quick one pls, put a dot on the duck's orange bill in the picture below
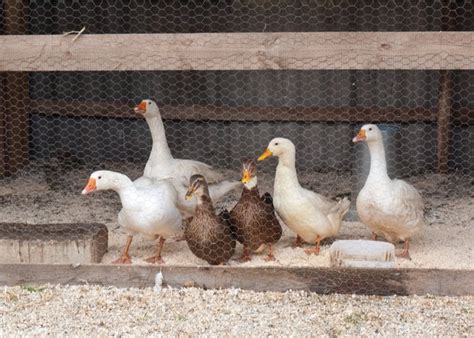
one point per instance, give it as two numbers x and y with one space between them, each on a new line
90 187
245 177
266 154
361 136
141 107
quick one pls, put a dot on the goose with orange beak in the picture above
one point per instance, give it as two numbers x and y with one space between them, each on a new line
162 165
150 211
389 207
311 216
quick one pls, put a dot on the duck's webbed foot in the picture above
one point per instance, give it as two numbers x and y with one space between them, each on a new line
156 259
246 257
124 259
270 256
316 248
298 242
405 254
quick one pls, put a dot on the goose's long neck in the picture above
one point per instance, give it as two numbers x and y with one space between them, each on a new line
378 163
123 186
286 171
160 150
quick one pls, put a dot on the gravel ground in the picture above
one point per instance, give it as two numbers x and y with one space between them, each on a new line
109 311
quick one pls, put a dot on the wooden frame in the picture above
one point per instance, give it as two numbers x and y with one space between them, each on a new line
442 51
444 117
76 108
238 51
14 88
320 280
221 51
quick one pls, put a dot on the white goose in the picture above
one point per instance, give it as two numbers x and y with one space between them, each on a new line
162 165
391 208
150 210
311 216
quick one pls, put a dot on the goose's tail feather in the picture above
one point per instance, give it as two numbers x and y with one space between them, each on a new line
338 212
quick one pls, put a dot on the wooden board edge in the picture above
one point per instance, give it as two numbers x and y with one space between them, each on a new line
76 108
238 51
440 282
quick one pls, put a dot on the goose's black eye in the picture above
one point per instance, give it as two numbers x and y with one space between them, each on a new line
99 177
276 143
370 129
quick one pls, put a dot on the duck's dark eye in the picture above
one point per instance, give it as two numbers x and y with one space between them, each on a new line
99 177
276 143
370 129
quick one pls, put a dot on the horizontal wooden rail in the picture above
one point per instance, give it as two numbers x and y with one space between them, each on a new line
238 51
77 108
320 280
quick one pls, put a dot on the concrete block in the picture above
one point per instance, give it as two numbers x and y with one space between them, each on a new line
53 243
362 254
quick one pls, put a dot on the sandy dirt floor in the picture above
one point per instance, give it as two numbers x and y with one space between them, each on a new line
52 195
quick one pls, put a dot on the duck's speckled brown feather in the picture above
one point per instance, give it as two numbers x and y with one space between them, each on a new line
208 235
254 220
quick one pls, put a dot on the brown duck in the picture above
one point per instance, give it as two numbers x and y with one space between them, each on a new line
208 235
253 217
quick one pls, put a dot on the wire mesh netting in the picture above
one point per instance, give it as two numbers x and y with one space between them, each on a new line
59 127
110 17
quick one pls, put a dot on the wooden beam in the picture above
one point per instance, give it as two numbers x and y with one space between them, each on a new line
77 108
320 280
15 117
444 118
238 51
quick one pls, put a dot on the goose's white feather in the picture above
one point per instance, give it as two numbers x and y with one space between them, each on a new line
150 209
161 164
305 212
391 208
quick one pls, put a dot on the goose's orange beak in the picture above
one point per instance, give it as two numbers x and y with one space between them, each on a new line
140 108
245 177
266 154
90 187
360 137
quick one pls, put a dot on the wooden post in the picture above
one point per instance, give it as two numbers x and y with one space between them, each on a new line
14 112
3 135
444 117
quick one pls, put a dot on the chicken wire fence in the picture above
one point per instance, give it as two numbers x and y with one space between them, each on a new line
57 127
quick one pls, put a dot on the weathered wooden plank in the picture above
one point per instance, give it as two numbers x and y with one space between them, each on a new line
238 51
320 280
443 120
76 108
53 243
